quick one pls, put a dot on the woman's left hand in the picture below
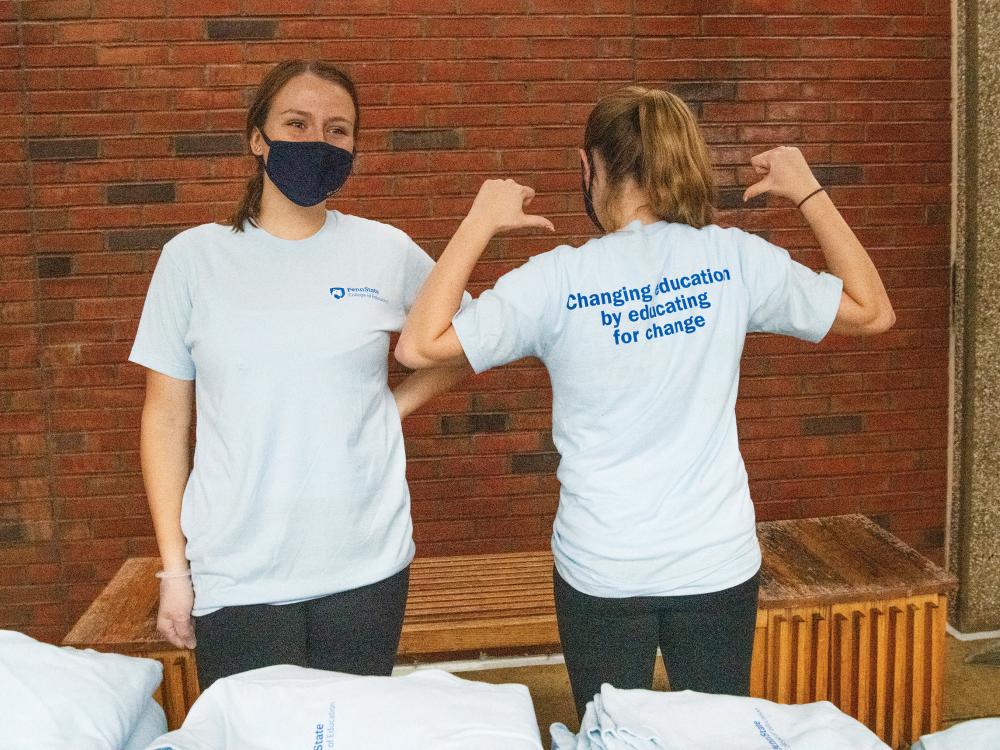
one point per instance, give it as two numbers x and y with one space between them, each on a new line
500 206
783 171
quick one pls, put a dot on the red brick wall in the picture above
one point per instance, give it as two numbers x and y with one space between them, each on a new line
121 123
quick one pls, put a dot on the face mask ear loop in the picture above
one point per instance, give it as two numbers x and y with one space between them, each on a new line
260 157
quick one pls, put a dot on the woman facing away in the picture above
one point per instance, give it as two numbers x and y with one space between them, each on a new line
641 331
295 516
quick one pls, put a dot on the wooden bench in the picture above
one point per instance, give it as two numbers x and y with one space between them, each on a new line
847 613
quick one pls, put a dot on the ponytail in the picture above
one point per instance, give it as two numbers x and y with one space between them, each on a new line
651 137
249 206
676 172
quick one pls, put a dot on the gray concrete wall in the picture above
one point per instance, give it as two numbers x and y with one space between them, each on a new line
974 526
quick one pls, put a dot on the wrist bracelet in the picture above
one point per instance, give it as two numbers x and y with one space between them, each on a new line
173 573
820 189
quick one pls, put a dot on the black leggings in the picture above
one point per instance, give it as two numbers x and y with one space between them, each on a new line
706 639
354 631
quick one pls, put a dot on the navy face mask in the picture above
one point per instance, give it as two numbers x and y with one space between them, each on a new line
307 172
588 201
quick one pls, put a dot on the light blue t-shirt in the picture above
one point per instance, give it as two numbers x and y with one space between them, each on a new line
298 487
641 332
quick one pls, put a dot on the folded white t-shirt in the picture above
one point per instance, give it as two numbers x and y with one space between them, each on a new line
978 734
152 723
296 707
70 698
686 720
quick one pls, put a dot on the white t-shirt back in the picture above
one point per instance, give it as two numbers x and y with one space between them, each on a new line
298 488
642 332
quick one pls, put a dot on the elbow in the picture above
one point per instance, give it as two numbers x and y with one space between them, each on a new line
881 321
408 355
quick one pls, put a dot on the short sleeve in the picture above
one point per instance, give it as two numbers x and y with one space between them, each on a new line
418 267
160 342
509 321
785 296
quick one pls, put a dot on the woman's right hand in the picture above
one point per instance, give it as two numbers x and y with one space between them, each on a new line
174 621
500 206
783 171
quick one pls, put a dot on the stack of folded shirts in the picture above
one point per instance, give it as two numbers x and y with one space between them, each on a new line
70 698
295 707
648 720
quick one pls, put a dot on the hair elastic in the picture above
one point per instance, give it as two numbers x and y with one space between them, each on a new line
820 189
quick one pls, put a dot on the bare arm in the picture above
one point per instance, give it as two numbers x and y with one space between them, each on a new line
428 339
164 450
864 305
423 385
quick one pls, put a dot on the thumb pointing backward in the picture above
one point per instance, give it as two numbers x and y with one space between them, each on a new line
758 188
538 222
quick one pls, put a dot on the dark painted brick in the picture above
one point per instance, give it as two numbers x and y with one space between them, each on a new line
66 442
241 28
843 424
63 148
831 174
142 192
12 533
47 10
705 91
53 310
214 143
52 266
421 140
453 424
534 463
138 239
932 538
733 198
939 214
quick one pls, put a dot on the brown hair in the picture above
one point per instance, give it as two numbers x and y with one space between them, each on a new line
651 136
249 206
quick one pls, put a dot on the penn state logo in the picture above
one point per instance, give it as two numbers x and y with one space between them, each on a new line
357 292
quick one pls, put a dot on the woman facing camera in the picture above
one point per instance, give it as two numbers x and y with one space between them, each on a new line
641 331
295 516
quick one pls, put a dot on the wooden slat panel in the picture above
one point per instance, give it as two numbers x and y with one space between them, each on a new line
759 660
844 669
179 688
781 643
899 654
937 615
880 630
918 710
803 646
821 657
862 627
